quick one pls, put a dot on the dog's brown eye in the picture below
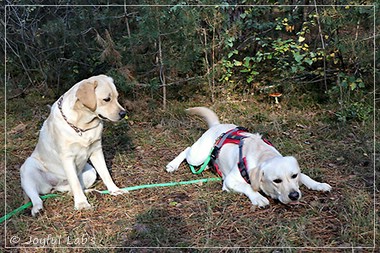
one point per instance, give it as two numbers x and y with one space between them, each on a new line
107 99
294 176
277 181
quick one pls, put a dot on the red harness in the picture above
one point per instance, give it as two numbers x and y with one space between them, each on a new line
233 136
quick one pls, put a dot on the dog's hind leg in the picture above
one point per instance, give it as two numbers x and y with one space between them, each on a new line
88 176
194 155
197 154
33 184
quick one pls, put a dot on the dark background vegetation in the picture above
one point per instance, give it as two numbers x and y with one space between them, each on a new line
168 55
324 50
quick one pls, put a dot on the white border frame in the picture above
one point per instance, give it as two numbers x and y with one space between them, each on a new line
6 240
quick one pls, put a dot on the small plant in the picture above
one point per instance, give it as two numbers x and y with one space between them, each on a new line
348 86
282 57
355 111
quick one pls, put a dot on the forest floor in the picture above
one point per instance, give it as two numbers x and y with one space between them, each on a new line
200 217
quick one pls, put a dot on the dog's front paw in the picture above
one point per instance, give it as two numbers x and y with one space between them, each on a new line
37 208
117 191
322 187
260 201
82 205
171 168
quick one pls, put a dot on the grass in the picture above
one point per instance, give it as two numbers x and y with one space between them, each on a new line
201 217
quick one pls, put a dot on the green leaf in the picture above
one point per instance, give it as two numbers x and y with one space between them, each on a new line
247 61
173 203
308 61
237 63
298 57
301 39
232 53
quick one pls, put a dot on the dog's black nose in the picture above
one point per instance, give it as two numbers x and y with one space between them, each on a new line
122 114
294 196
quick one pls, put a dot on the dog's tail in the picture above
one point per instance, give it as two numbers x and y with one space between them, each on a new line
210 116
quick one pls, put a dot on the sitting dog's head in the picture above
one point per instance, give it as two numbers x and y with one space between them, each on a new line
278 178
99 95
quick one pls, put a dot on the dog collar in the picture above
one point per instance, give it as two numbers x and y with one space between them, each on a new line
78 130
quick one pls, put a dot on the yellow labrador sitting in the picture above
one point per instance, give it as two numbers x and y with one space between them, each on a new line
69 137
252 165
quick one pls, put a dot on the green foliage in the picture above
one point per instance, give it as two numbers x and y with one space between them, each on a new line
55 45
244 47
279 57
282 53
176 28
285 46
353 105
355 111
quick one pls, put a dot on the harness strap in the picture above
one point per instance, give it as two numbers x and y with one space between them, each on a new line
233 137
242 164
267 141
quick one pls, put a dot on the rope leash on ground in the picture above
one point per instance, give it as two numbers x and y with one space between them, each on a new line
132 188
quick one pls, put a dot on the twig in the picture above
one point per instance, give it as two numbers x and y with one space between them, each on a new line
126 19
162 73
323 45
207 65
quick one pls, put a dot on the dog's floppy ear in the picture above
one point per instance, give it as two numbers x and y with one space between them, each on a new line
86 94
255 176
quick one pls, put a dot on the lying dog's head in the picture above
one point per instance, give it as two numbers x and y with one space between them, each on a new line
278 178
99 95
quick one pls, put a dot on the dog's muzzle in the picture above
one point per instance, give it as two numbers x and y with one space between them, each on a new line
122 115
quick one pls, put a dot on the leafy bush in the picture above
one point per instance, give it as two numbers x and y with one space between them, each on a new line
245 47
352 103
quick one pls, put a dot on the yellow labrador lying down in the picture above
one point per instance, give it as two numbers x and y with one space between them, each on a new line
252 165
69 137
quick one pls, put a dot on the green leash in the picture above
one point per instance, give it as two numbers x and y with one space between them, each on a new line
132 188
203 167
23 207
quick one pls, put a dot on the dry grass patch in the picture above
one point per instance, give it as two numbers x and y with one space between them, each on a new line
197 216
